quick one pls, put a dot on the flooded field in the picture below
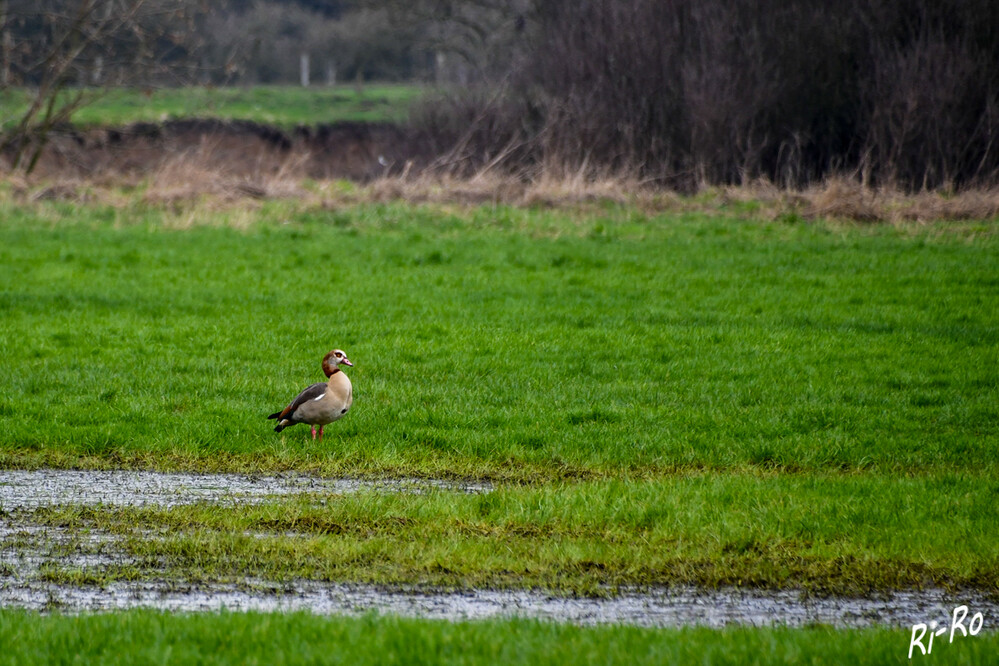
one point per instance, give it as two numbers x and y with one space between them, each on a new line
28 552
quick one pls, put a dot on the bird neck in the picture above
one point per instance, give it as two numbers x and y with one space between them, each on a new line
337 379
330 368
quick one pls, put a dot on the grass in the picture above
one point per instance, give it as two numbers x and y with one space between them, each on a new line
822 533
662 397
223 638
498 343
283 106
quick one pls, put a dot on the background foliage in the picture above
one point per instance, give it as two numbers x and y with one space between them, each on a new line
682 92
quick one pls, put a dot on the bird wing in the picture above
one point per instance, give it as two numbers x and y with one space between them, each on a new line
314 392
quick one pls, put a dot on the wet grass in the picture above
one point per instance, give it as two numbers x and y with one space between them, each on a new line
283 106
822 533
222 638
766 403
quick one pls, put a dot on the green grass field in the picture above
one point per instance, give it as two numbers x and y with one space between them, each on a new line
659 398
671 398
283 106
253 638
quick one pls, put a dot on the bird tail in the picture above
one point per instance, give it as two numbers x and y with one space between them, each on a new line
274 415
279 427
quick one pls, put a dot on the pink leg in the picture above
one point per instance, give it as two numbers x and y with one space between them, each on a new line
320 432
314 431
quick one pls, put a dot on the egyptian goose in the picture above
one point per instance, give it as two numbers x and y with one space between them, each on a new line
321 403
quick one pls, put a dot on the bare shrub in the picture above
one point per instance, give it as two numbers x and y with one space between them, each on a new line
696 92
71 51
931 121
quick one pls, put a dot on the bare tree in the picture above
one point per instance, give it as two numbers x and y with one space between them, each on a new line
68 52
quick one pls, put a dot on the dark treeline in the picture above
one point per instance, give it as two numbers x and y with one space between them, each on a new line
226 42
682 92
688 92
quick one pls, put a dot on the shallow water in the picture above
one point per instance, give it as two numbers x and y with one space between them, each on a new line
26 549
676 607
29 489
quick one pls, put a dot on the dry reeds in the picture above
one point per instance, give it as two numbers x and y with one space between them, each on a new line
840 198
195 179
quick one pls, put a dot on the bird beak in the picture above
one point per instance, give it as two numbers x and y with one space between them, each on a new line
346 361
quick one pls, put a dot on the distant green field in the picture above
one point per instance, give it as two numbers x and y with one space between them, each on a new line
284 106
661 398
254 638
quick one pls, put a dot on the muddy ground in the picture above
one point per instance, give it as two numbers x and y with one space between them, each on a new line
231 148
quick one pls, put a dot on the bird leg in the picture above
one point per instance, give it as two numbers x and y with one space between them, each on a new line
320 432
314 432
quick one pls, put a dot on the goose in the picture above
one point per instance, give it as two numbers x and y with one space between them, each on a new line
323 402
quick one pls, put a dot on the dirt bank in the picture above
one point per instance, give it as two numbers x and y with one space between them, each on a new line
233 148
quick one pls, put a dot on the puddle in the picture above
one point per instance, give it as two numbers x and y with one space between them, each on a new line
27 549
658 608
24 489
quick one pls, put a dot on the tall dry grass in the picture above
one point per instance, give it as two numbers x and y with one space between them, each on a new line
195 178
